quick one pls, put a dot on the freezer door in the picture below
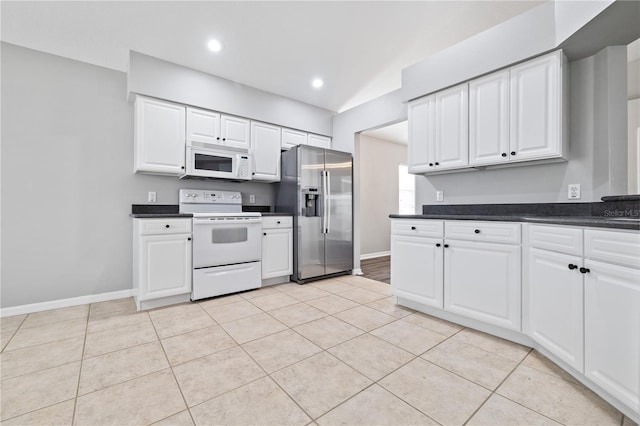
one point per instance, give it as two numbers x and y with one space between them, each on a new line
339 217
310 239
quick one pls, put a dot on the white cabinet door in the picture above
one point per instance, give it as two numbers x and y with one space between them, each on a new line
203 126
319 141
482 281
555 304
291 138
452 123
536 108
165 265
277 253
489 119
159 137
416 269
234 131
612 330
265 149
422 135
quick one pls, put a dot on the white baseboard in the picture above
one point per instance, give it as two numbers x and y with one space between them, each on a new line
374 255
357 272
64 303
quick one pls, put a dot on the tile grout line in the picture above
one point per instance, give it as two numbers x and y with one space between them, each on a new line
84 344
172 373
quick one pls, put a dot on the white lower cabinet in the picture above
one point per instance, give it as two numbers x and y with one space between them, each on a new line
482 281
612 330
277 247
416 270
555 304
162 260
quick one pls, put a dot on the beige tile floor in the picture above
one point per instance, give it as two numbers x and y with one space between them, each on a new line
337 351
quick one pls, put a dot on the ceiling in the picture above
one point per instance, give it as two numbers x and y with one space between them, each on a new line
359 48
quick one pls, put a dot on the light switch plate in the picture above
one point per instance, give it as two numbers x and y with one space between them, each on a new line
151 197
252 199
439 195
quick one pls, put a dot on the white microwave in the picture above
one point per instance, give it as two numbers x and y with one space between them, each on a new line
218 163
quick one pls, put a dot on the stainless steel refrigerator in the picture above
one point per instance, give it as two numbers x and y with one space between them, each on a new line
317 188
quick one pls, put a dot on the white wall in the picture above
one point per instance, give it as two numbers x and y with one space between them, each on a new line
379 160
67 179
165 80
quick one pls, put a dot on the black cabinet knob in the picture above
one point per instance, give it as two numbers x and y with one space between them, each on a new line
504 154
430 164
224 139
413 228
189 239
264 233
513 153
477 231
438 244
182 167
446 246
166 226
278 222
572 266
437 164
218 138
585 270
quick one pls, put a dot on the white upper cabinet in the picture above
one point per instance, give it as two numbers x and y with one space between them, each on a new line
319 141
422 135
536 124
291 138
203 126
452 120
159 137
265 149
234 132
489 119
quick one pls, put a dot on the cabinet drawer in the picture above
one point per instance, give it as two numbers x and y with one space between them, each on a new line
556 238
275 222
164 226
497 232
617 247
417 227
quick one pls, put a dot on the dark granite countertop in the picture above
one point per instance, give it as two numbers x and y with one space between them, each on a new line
276 214
589 221
620 214
159 215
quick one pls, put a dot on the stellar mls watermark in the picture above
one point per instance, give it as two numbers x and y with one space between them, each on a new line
621 213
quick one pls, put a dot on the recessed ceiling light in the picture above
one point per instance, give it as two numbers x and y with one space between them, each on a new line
214 45
317 83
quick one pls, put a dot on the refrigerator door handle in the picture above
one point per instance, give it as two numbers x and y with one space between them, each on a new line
328 196
324 201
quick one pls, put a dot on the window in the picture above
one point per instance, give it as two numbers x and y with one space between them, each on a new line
406 191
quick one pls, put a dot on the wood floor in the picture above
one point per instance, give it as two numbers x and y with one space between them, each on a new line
378 269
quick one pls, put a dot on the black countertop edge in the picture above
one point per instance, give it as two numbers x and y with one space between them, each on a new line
159 215
588 221
164 209
630 197
276 214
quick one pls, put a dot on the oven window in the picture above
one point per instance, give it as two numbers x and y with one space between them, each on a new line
228 235
213 163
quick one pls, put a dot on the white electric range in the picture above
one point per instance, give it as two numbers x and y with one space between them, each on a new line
227 243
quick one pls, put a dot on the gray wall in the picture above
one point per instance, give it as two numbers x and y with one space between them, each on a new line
597 147
378 191
67 180
165 80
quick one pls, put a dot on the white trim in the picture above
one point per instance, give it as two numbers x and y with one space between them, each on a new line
64 303
374 255
357 272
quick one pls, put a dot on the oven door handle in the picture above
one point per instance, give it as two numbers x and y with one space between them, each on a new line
222 222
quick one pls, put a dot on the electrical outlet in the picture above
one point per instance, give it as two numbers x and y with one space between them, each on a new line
439 195
151 197
252 199
574 191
